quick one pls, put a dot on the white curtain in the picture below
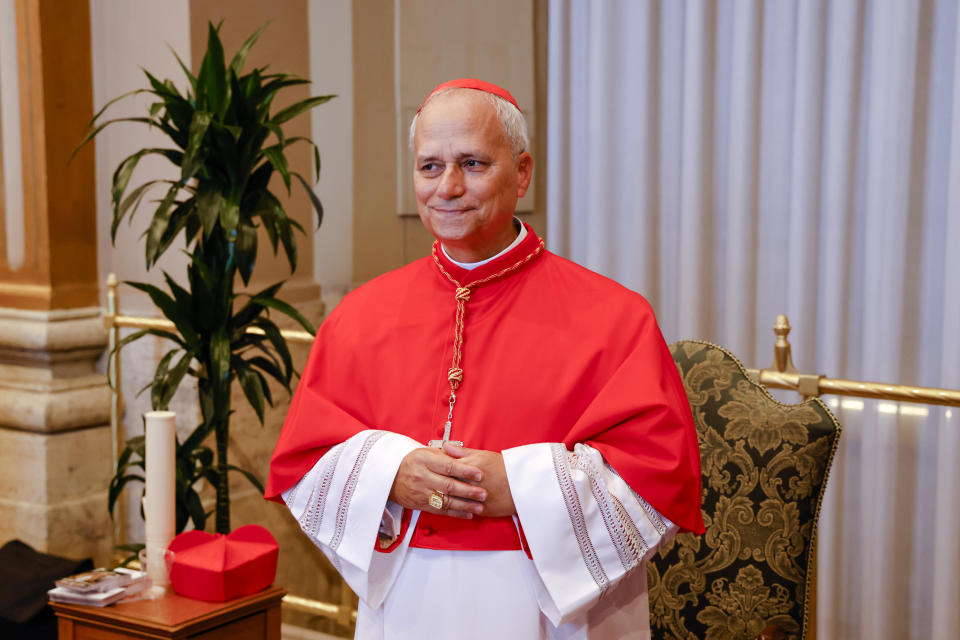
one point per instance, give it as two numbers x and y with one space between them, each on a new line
734 160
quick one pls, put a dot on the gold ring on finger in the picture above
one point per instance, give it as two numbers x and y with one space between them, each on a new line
437 500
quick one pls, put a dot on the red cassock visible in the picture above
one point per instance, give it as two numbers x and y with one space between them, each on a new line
552 352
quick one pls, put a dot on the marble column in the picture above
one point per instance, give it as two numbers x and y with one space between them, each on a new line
55 443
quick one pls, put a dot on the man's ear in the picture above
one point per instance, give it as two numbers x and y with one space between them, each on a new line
524 172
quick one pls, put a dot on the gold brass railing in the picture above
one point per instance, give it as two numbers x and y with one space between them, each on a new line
784 375
781 375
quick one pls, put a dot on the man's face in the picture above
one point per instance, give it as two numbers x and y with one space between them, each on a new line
466 181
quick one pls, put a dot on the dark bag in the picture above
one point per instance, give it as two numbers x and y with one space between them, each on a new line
25 577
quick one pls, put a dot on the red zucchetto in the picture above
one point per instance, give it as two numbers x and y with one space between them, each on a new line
471 83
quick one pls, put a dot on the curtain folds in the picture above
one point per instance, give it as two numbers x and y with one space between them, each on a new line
733 160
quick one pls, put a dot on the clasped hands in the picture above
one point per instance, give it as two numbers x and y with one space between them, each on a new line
473 481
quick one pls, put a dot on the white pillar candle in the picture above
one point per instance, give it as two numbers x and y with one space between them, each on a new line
159 506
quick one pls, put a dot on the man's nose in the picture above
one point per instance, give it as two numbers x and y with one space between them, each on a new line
451 183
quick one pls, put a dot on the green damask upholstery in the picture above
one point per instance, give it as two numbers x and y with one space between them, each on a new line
764 471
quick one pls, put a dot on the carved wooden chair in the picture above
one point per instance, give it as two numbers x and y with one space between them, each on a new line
764 467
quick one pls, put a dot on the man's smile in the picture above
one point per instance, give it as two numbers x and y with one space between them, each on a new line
453 210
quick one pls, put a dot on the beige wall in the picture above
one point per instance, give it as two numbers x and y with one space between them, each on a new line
331 71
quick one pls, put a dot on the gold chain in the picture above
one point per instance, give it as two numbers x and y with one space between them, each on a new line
462 296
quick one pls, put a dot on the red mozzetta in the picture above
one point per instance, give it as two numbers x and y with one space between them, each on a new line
552 352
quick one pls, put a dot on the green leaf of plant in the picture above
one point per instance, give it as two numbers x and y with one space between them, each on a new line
132 200
249 476
250 384
137 466
248 313
202 281
114 101
177 117
194 507
174 378
228 161
258 181
299 107
165 90
90 125
229 217
268 396
279 344
279 162
156 386
212 79
210 474
144 388
123 173
180 217
286 309
175 157
198 129
202 430
314 200
117 483
136 335
270 226
135 445
103 125
192 228
158 225
173 312
277 131
289 242
209 203
180 295
186 70
246 251
242 112
234 131
275 82
241 55
276 220
271 369
270 291
219 355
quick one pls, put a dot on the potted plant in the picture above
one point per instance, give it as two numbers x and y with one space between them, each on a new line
227 144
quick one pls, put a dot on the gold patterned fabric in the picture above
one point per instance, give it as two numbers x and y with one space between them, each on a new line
764 469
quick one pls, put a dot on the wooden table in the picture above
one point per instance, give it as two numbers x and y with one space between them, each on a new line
253 617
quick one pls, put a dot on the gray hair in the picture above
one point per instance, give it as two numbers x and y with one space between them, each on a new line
511 119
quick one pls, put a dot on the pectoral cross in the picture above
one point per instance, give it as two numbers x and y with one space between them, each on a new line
438 444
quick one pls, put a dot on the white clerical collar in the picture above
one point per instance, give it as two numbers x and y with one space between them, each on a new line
473 265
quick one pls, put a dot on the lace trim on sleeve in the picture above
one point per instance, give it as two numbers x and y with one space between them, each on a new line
348 490
561 465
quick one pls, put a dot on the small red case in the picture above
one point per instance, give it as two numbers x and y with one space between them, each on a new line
216 567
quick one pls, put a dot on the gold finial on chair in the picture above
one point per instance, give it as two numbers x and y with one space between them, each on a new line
782 358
